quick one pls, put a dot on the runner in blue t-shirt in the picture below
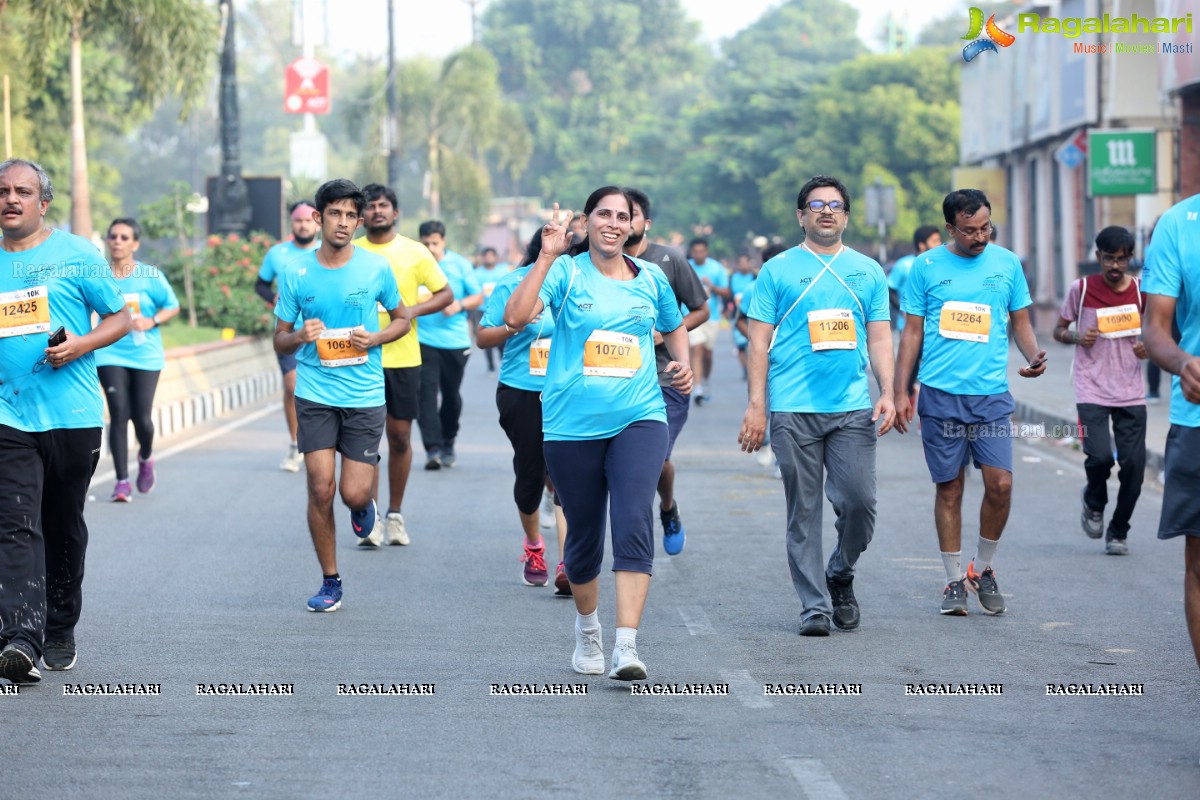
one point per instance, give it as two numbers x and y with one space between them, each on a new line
339 373
51 418
1172 286
959 300
519 401
818 312
129 367
604 419
304 240
703 338
445 340
740 281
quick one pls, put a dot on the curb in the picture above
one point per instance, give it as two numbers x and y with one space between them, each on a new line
1028 412
178 415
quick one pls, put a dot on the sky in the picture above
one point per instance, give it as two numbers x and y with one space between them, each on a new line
438 27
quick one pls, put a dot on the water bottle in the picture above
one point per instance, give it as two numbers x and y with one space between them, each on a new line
139 337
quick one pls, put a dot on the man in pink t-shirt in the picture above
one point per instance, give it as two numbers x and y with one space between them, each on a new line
1107 311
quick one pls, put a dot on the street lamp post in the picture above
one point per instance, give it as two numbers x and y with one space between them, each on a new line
232 203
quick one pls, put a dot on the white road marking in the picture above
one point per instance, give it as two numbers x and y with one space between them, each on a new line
696 621
743 686
814 779
219 431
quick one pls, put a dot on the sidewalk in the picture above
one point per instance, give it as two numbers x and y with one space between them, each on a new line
1050 399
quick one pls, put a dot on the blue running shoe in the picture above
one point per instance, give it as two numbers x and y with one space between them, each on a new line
329 598
673 533
363 522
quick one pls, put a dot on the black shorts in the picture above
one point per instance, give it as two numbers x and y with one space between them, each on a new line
402 390
353 432
1181 501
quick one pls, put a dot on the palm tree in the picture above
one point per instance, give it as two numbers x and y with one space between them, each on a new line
168 45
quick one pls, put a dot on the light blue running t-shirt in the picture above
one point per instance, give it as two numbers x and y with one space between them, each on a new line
58 283
819 306
602 374
1173 270
330 371
966 303
451 332
523 365
146 293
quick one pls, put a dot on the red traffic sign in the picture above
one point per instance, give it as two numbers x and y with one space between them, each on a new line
306 87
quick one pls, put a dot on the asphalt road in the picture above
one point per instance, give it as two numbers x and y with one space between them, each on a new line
204 582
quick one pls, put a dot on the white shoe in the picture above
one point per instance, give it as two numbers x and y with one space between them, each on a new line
396 532
765 457
546 512
375 537
293 462
625 664
589 652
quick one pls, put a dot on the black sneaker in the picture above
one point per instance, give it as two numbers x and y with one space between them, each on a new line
59 656
433 460
16 664
845 607
1115 545
815 626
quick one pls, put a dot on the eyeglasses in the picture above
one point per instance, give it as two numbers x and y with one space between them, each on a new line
1110 260
817 206
983 233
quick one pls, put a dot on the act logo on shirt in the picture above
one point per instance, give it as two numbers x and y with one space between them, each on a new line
946 282
584 306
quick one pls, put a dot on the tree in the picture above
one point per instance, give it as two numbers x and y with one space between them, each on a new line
600 86
167 46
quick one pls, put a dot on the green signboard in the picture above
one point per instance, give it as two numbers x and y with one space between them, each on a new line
1121 162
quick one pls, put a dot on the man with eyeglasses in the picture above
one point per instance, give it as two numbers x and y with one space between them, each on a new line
818 311
51 417
959 302
1107 311
1172 283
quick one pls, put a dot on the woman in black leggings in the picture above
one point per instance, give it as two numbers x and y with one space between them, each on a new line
129 368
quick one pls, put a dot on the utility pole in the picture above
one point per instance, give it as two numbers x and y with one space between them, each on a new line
474 20
391 128
232 212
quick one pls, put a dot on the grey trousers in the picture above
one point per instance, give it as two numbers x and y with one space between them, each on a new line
839 450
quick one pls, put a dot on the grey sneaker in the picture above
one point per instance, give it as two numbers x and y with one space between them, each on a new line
59 656
448 456
16 664
954 599
1114 546
625 663
1092 521
588 658
985 589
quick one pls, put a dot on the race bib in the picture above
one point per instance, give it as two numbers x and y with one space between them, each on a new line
539 356
970 322
832 329
1117 322
335 349
25 311
612 355
134 303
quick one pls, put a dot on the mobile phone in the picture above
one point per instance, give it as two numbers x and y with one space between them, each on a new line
58 337
1036 364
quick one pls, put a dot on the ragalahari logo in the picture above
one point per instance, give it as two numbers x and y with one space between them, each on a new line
994 37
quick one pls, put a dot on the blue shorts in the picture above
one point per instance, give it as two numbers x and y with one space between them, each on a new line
958 427
286 363
1181 501
677 414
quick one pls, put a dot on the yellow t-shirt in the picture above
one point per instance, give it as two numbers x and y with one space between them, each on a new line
414 266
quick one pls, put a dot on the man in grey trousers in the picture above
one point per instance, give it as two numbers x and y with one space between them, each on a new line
818 311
